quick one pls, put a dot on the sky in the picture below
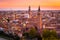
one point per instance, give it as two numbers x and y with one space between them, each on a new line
23 4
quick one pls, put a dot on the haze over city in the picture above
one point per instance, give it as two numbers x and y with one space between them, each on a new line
23 4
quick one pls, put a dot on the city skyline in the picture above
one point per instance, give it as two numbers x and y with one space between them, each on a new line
23 4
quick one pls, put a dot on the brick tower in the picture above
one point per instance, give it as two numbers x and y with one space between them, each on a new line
40 19
29 11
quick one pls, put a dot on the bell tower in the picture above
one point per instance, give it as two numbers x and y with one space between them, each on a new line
40 18
29 11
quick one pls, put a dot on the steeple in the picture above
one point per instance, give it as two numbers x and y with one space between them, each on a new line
39 9
29 9
40 18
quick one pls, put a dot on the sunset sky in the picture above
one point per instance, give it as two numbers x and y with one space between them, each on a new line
23 4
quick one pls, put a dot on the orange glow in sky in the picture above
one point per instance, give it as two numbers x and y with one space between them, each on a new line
45 4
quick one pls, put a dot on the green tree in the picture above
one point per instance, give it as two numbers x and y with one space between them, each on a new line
53 33
26 35
32 33
49 34
46 33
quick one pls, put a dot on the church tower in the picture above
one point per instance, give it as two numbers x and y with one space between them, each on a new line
39 9
29 11
40 18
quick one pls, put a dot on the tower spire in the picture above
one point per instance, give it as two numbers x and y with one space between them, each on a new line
29 11
39 9
29 8
40 19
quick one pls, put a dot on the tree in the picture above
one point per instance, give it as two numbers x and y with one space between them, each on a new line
32 33
46 33
53 33
49 34
26 34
